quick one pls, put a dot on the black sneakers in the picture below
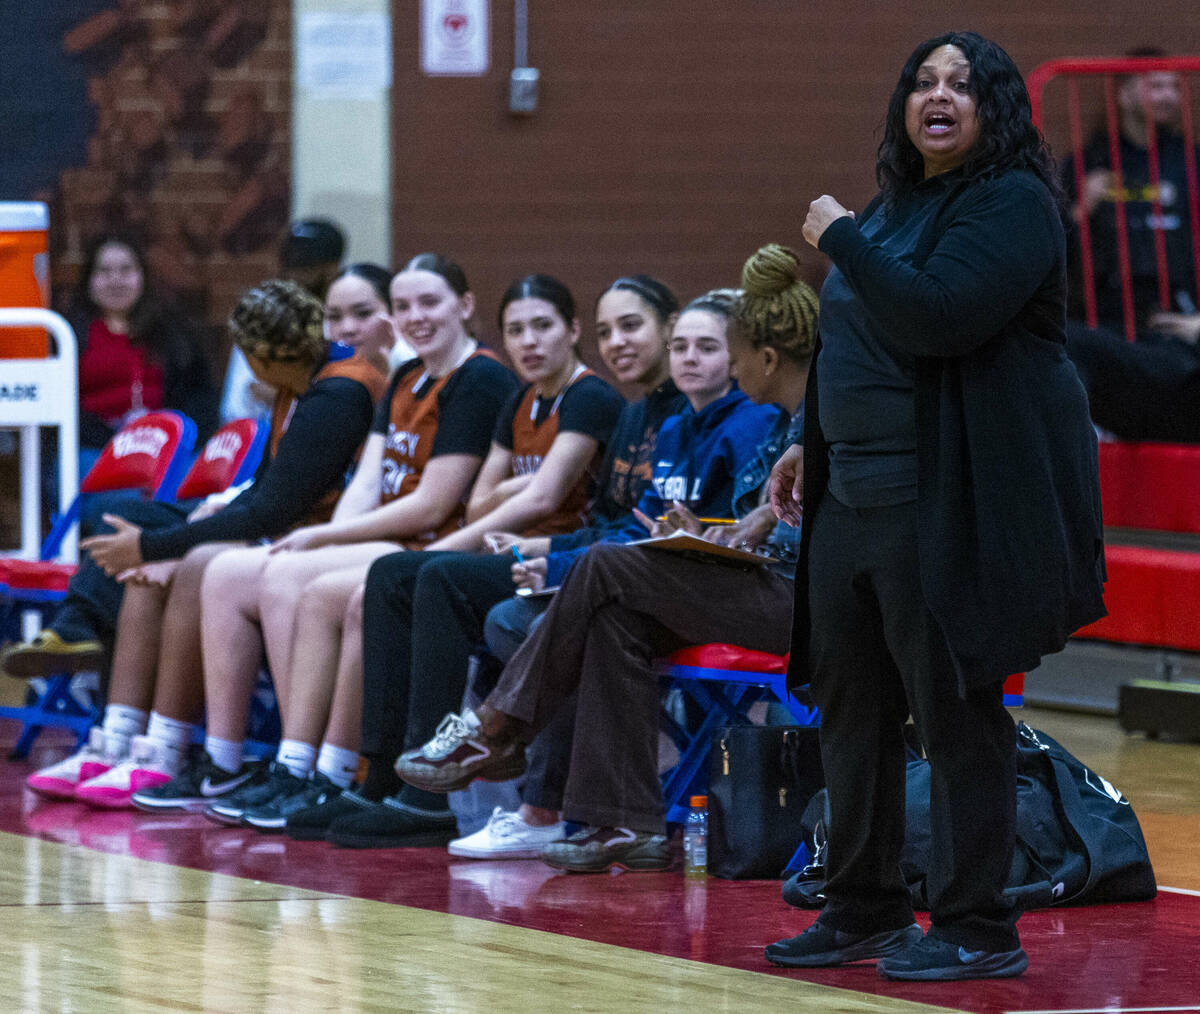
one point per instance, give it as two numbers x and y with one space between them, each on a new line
273 815
934 960
821 946
311 823
278 781
393 824
198 784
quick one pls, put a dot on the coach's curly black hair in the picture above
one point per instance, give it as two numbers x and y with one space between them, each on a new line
1007 137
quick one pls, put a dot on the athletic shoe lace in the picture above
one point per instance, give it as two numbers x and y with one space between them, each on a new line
505 823
450 733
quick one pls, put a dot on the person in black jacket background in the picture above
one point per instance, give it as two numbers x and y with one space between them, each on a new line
951 506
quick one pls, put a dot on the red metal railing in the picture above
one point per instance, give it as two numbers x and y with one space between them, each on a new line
1072 70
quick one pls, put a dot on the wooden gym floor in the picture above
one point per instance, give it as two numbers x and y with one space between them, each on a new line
132 912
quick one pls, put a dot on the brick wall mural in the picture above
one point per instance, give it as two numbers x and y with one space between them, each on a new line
189 147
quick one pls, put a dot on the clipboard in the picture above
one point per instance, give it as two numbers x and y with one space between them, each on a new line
541 593
682 542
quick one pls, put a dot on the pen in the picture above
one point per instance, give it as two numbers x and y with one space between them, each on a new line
517 554
706 521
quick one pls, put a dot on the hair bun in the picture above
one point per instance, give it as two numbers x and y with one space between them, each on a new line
770 270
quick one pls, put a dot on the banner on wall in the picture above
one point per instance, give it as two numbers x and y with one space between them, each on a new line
344 55
454 38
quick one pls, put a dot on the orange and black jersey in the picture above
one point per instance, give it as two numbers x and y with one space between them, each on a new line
314 441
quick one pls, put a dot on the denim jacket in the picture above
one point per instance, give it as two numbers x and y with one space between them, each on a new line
784 540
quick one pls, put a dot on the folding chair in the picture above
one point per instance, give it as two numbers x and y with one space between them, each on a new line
723 681
148 456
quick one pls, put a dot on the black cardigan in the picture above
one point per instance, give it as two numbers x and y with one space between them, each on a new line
1010 538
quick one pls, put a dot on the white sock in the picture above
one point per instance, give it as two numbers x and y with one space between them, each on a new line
122 720
224 753
338 764
297 757
171 733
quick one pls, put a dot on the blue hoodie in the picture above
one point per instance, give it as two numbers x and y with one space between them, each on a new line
697 459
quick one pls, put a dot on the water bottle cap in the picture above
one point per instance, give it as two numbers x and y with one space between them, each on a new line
699 801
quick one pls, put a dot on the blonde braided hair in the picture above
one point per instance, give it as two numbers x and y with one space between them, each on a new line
776 308
279 321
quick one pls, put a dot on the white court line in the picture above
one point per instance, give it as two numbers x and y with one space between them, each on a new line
1105 1010
1180 890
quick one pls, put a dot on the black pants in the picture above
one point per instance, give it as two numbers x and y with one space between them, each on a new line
423 617
549 755
1143 390
93 600
877 654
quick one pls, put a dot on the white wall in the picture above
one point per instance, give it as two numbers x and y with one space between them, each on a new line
341 158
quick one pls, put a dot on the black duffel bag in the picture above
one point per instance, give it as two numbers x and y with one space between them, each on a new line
1078 839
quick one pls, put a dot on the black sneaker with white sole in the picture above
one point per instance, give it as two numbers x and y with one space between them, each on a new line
278 781
273 816
393 824
198 783
312 823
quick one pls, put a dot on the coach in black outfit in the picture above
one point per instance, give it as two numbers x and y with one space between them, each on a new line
951 506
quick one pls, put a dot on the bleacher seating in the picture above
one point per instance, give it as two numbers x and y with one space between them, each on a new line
1150 486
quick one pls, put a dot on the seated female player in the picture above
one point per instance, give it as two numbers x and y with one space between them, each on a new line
429 438
634 317
411 674
621 607
328 605
321 415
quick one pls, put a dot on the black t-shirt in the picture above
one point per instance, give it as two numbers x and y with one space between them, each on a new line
470 404
589 406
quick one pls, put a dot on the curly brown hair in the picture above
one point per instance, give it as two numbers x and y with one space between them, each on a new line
279 321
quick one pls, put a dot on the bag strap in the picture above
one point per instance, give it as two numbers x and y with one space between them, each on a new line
1081 823
1041 893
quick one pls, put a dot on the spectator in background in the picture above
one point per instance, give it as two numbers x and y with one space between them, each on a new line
135 356
311 253
1148 389
1157 94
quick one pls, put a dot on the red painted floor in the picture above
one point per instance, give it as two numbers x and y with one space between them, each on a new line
1110 957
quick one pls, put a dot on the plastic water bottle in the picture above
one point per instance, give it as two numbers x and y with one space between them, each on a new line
695 839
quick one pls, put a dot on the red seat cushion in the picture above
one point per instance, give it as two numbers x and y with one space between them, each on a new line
35 575
729 656
1146 485
1153 597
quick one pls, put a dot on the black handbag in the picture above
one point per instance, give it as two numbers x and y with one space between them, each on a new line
761 779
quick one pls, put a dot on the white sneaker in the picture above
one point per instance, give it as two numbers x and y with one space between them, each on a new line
59 781
506 836
149 763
